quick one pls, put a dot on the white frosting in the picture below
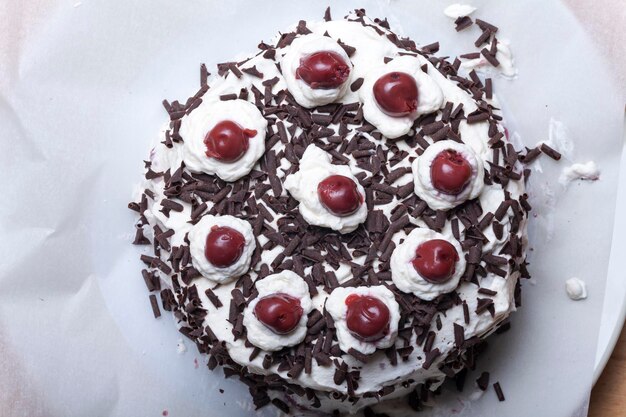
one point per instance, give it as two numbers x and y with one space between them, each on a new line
316 166
301 91
424 187
285 282
406 277
576 289
588 171
197 243
430 96
336 306
195 127
503 55
456 10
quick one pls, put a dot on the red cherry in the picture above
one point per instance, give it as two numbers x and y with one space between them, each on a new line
396 94
435 260
323 70
339 195
227 141
280 312
224 246
450 172
367 317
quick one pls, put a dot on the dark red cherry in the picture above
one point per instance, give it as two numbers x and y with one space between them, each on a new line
323 70
435 260
450 172
224 246
280 312
367 317
339 195
396 94
227 141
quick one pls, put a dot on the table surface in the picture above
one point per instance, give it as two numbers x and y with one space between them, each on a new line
608 398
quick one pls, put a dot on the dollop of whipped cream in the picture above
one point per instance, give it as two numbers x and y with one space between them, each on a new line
588 171
406 277
456 10
576 289
197 244
316 166
424 187
198 123
430 96
300 48
338 309
285 282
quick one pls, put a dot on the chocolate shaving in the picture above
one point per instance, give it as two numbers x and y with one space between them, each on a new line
466 315
531 155
430 358
253 71
486 26
155 306
462 22
550 152
361 357
459 335
347 48
484 37
483 381
356 84
499 392
491 58
327 16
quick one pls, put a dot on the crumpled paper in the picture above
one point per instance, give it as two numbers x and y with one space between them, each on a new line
81 83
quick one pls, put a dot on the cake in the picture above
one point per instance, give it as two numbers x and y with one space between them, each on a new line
338 219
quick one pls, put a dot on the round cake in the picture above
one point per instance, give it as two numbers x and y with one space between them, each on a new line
338 219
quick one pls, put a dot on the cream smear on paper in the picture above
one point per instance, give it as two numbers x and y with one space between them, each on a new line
587 171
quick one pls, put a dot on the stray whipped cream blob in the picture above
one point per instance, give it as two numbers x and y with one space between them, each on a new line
329 195
427 264
277 317
447 174
366 318
576 289
317 70
398 92
456 10
223 138
221 247
587 172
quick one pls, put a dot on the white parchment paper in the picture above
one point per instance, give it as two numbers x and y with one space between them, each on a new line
81 85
